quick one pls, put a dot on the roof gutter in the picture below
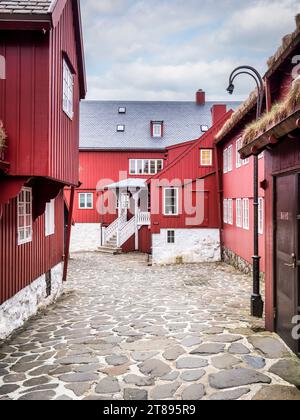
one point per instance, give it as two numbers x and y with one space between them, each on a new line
15 21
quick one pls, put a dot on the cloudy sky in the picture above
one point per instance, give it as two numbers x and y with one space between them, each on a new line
167 49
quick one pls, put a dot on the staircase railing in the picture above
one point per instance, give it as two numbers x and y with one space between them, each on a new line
113 228
126 232
143 218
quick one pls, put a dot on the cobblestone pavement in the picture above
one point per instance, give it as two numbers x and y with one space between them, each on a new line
124 330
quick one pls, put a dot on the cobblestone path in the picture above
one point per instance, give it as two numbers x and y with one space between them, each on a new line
124 330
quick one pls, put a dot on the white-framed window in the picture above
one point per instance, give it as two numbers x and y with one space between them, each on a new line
238 160
145 166
157 129
120 128
171 199
225 211
225 161
229 159
246 215
206 157
25 216
261 215
230 212
122 110
68 89
171 236
86 201
239 213
50 218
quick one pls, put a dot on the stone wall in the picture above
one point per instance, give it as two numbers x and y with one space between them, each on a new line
17 310
236 261
191 246
85 237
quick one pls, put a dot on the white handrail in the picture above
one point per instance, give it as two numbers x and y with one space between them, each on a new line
126 232
114 227
144 218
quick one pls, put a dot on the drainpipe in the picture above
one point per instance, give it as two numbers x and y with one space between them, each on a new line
68 241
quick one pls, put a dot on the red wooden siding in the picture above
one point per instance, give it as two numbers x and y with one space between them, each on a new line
239 184
64 132
42 140
24 105
188 167
20 265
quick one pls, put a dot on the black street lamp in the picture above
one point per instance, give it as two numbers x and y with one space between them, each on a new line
257 304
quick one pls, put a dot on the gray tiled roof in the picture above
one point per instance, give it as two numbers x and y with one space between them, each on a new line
26 6
182 121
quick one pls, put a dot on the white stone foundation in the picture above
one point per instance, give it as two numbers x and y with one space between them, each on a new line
85 237
191 246
17 310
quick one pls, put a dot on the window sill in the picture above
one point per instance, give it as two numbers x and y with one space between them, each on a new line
27 241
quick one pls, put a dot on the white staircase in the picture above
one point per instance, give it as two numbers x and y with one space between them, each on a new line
118 233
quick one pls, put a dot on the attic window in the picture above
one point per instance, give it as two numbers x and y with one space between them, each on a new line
204 128
121 128
122 110
157 129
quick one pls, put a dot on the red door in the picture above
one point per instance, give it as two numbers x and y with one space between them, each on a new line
287 256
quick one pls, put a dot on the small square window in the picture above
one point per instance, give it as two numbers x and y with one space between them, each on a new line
206 157
157 129
122 110
204 128
171 236
120 128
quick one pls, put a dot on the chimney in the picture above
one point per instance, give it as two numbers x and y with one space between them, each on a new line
217 112
200 97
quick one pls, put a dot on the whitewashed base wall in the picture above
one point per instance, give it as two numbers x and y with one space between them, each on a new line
191 246
85 237
17 310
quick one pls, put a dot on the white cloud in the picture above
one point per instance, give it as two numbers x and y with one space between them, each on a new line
166 49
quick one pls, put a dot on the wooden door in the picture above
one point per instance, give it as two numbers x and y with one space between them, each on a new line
287 255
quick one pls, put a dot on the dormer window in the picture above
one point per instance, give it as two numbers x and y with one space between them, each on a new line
204 128
122 110
120 128
157 129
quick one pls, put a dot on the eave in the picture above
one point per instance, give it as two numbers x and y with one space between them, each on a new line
273 135
24 22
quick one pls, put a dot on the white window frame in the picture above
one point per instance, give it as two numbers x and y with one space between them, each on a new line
176 210
50 218
136 162
261 215
246 214
225 211
225 161
238 160
239 213
230 211
22 206
68 90
85 201
121 128
202 159
159 127
229 158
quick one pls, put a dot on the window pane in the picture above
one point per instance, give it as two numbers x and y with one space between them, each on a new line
159 165
146 167
132 166
152 167
89 201
140 167
206 157
82 200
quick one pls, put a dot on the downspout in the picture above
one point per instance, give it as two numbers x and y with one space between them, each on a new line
68 241
219 197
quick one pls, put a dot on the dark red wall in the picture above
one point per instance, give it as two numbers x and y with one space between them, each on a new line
20 265
42 140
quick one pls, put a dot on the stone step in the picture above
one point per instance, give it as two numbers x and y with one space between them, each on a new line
109 250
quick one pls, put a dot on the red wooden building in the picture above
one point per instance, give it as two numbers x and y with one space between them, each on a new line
122 146
41 47
277 136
